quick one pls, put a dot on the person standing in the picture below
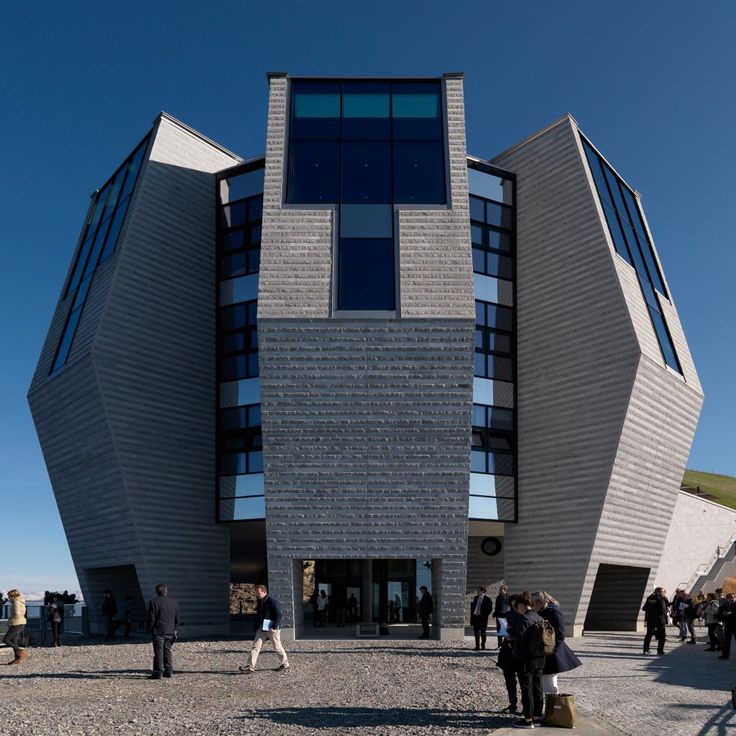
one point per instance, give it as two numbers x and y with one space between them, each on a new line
425 610
123 616
501 609
109 608
480 610
655 617
269 617
563 659
712 622
728 616
163 622
16 625
322 601
56 619
529 665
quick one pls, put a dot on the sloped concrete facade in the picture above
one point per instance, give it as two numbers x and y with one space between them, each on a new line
127 426
604 427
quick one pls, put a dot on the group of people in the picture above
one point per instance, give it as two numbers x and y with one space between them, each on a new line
716 610
531 647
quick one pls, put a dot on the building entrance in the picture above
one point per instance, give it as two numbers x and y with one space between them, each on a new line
378 591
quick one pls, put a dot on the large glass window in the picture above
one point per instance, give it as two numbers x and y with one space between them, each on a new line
240 487
100 236
630 239
363 144
492 464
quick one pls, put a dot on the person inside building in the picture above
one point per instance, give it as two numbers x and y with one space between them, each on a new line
563 659
322 603
109 608
425 610
16 625
269 617
655 618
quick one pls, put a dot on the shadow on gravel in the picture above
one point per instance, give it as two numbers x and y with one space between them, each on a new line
325 718
722 723
108 674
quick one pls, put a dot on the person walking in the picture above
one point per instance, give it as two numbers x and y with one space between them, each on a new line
480 610
563 659
269 617
529 665
655 617
690 614
16 625
425 610
56 619
163 622
501 609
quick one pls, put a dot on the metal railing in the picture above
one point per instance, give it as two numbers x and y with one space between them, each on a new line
722 551
38 628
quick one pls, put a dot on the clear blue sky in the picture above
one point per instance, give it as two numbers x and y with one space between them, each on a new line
651 83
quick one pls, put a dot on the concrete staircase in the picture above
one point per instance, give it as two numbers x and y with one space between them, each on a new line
723 567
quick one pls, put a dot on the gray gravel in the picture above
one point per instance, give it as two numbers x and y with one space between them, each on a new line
332 687
354 687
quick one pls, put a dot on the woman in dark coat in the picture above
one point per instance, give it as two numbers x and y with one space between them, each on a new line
563 659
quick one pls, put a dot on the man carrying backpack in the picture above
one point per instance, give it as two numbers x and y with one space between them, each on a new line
532 637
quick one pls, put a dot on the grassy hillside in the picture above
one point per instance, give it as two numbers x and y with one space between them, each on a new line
723 487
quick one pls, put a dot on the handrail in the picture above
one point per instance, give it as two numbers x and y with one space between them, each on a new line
706 567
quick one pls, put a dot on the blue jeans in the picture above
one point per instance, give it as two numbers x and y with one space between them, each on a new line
683 629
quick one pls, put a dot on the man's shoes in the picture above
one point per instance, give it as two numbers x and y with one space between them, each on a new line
523 723
692 642
247 669
482 646
511 709
659 654
282 668
724 656
168 674
475 649
646 651
154 677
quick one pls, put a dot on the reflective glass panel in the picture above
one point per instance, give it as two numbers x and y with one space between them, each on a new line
366 109
242 186
316 110
65 344
366 172
419 173
366 274
416 110
314 172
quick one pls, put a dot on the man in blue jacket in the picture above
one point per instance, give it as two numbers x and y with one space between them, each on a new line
268 621
163 621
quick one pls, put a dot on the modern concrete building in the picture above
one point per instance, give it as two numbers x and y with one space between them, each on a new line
370 350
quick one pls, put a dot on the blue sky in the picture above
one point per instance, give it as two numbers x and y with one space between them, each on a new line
652 84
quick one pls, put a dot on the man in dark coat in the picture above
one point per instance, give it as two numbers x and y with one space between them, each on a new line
655 617
425 610
480 610
727 611
269 617
528 666
163 622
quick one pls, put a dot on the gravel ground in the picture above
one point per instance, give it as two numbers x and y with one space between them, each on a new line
332 688
410 688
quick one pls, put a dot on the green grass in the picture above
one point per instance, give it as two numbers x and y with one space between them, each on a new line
723 487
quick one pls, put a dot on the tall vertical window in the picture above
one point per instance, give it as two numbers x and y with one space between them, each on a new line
99 238
493 450
240 480
366 146
630 239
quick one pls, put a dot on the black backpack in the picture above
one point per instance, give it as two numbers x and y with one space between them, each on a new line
540 639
